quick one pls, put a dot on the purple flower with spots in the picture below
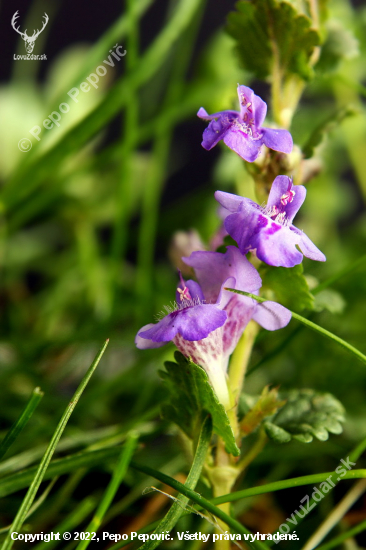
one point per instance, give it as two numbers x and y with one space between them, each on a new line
242 131
207 321
194 324
233 266
269 229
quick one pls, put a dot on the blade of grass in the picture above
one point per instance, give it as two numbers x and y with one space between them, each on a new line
201 501
325 284
118 475
77 516
336 515
142 531
341 538
172 468
100 50
37 503
31 173
22 460
32 491
177 509
353 457
22 421
311 325
126 152
286 484
153 188
87 459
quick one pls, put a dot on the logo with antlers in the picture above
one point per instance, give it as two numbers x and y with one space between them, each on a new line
28 40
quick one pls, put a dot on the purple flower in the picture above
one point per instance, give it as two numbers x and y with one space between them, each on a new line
233 266
269 229
195 326
243 131
207 321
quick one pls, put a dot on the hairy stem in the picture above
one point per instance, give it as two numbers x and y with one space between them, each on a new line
223 477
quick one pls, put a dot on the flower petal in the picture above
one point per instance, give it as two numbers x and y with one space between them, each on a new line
277 246
278 140
271 316
232 264
144 343
229 200
205 352
246 225
281 186
193 323
215 131
195 292
240 142
208 353
257 109
239 312
202 113
307 247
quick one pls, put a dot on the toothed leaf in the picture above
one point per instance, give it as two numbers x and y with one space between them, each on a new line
306 414
265 29
191 397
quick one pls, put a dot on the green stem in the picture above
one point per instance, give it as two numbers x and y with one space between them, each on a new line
177 509
240 360
311 325
32 491
254 451
321 286
222 478
21 422
201 501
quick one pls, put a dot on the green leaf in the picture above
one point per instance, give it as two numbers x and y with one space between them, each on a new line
177 509
329 124
276 433
228 241
87 459
287 286
118 475
42 468
191 398
22 421
331 300
340 44
235 525
267 28
306 414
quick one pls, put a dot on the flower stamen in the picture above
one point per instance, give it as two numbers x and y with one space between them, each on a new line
287 197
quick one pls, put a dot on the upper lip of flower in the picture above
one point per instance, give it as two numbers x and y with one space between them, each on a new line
243 131
269 229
